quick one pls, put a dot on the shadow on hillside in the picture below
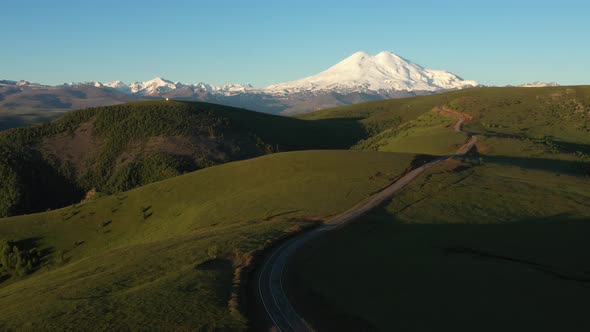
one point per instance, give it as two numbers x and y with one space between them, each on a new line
554 245
440 269
342 131
221 273
31 243
570 167
288 133
561 145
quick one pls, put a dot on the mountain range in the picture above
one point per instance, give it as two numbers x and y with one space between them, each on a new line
538 84
383 73
358 78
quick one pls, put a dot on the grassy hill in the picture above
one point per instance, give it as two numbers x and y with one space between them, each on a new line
493 240
430 133
168 255
470 245
117 148
497 237
538 127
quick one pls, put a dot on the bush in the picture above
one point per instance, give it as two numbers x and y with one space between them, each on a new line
17 261
212 252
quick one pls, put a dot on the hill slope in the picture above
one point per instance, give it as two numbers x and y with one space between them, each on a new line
167 256
509 237
116 148
549 115
504 228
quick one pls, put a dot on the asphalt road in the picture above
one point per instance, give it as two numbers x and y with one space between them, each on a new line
282 315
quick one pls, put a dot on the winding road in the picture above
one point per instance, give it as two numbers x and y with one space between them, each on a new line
269 280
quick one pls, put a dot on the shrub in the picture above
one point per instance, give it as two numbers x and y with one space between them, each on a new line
17 261
212 252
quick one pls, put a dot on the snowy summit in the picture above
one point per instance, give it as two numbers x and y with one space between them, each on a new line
538 84
386 71
383 74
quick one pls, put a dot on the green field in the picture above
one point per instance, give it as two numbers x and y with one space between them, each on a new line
491 242
431 133
557 113
494 240
168 255
472 246
117 148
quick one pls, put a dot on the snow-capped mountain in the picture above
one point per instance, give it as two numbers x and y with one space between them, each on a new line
154 86
159 86
119 86
385 71
538 84
360 77
381 74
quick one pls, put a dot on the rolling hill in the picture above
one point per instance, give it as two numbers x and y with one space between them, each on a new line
117 148
169 255
497 237
503 227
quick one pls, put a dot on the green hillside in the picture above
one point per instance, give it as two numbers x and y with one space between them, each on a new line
117 148
510 122
502 232
430 133
168 255
465 241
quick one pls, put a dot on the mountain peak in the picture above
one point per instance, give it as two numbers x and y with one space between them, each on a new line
385 71
154 86
359 54
390 54
158 79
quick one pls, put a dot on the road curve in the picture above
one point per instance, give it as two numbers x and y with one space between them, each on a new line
269 280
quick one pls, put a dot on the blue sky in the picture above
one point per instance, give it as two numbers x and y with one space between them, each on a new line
264 42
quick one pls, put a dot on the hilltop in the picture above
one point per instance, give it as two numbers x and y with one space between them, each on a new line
117 148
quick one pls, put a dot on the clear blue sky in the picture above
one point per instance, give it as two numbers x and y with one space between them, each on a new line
264 42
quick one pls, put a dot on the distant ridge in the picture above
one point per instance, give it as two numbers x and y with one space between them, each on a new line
384 72
358 78
538 84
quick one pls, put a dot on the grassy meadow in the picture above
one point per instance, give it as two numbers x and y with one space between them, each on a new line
476 243
472 245
168 255
431 133
492 241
